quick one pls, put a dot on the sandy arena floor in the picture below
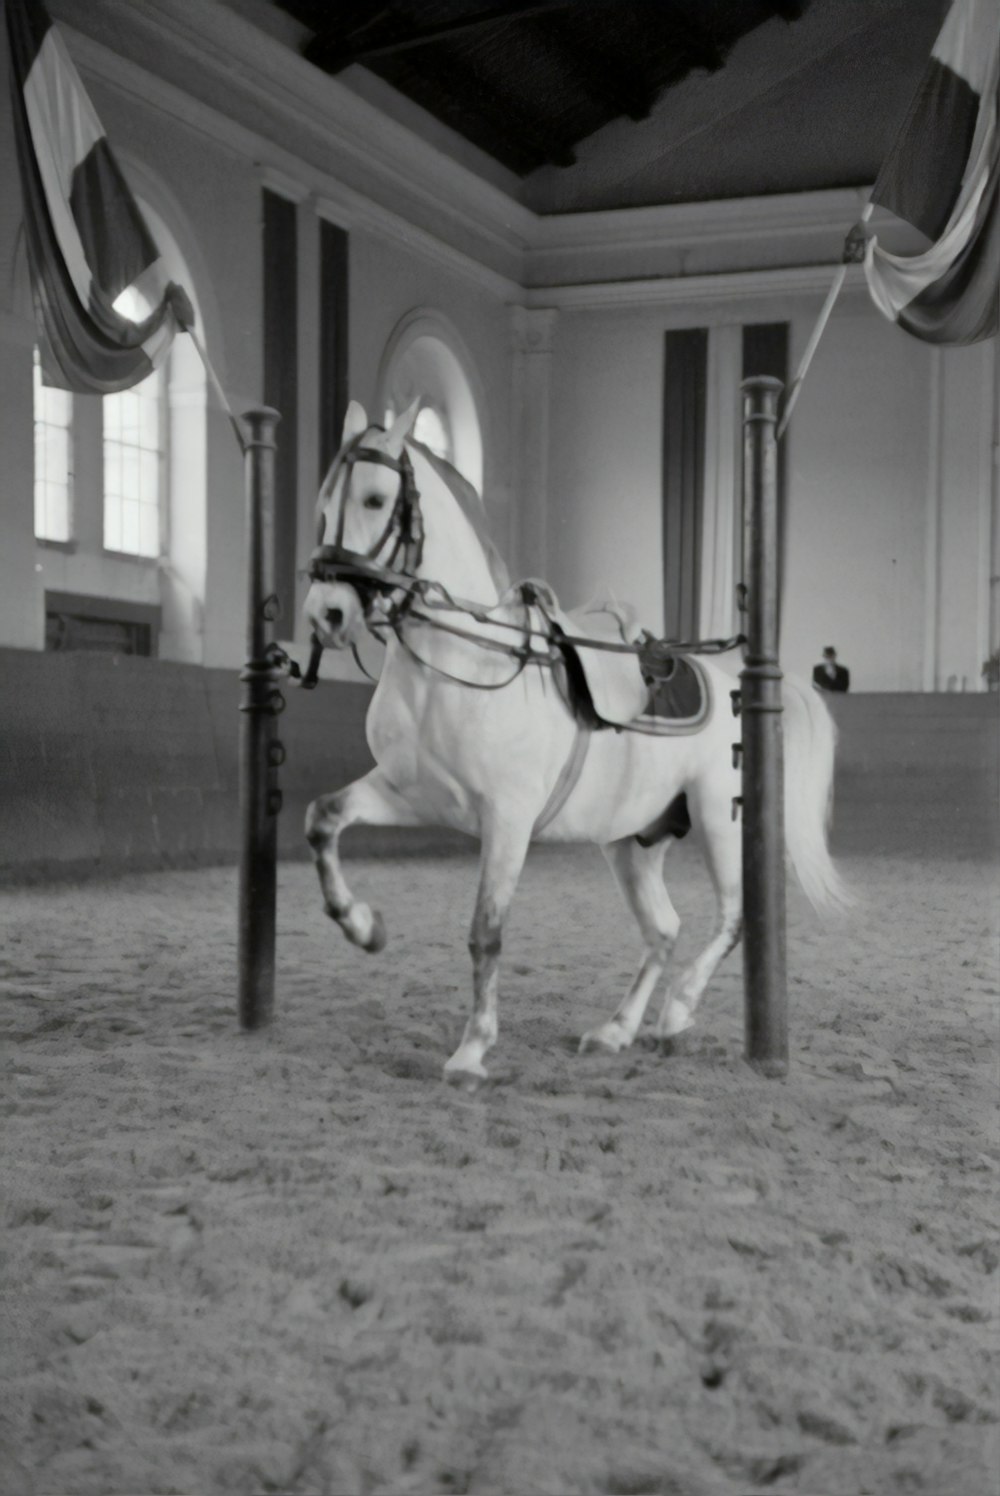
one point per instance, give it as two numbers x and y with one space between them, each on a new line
297 1262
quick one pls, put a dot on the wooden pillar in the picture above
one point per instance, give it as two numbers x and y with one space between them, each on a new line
260 751
763 767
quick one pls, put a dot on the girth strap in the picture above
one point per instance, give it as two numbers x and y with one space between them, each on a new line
567 781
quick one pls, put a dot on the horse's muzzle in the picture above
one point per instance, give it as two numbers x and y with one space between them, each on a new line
335 613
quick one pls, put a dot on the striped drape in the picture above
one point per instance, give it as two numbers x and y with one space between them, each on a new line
942 175
87 241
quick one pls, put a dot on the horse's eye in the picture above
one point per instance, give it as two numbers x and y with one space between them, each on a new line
374 501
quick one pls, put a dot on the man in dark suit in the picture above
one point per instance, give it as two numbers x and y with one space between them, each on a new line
830 676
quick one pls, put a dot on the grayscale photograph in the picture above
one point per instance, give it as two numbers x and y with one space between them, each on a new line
500 748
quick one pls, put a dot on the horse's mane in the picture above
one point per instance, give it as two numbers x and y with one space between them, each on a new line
471 505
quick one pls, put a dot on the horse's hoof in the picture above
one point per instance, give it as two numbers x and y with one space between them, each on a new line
608 1039
378 937
468 1081
597 1044
675 1020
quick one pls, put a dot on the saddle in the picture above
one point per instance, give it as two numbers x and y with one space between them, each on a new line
609 689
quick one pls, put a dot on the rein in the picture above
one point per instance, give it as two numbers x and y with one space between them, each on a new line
372 577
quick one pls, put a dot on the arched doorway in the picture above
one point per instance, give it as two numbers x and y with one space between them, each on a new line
425 356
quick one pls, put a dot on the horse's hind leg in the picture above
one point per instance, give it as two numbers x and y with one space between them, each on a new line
373 801
721 838
638 871
504 848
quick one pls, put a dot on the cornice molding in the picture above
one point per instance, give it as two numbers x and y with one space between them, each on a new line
290 188
680 225
349 210
802 281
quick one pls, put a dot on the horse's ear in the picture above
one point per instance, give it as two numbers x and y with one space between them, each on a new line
402 426
355 423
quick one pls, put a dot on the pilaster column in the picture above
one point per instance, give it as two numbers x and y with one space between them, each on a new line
532 334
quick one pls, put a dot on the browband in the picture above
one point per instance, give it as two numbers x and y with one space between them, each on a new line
369 454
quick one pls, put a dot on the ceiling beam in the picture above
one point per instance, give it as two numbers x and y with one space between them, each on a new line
697 45
334 48
622 88
457 82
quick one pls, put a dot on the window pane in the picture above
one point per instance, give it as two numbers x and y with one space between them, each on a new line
112 408
133 462
130 527
130 472
112 471
53 412
112 523
149 428
129 431
149 530
149 472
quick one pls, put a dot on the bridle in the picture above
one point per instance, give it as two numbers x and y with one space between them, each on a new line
373 576
366 571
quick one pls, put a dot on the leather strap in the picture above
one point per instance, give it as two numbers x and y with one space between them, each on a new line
567 781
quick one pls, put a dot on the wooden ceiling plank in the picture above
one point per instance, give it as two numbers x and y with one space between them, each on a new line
473 91
699 46
623 89
333 49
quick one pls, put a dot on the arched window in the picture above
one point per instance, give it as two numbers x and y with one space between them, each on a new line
425 357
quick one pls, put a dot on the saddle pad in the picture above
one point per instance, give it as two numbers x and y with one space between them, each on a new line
679 699
615 682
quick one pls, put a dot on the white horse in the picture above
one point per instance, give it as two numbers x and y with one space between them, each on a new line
470 728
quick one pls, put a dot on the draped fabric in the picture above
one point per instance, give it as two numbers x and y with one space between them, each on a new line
86 238
942 176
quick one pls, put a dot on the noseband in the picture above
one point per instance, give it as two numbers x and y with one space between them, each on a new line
364 570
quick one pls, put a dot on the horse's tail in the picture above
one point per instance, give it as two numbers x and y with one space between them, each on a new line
810 739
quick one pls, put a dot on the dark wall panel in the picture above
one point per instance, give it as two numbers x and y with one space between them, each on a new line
684 393
281 380
333 367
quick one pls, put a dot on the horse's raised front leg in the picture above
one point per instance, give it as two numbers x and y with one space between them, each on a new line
638 871
504 848
370 800
722 841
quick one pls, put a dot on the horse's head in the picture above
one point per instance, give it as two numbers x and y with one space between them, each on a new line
368 523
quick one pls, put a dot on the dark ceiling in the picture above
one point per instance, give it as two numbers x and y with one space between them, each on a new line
620 103
527 82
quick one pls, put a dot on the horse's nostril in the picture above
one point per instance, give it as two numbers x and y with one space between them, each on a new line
335 617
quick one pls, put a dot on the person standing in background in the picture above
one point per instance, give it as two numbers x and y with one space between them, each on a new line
830 676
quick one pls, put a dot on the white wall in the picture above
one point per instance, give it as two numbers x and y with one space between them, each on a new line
604 475
858 472
869 559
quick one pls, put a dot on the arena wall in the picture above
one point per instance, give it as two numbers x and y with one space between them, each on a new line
111 763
